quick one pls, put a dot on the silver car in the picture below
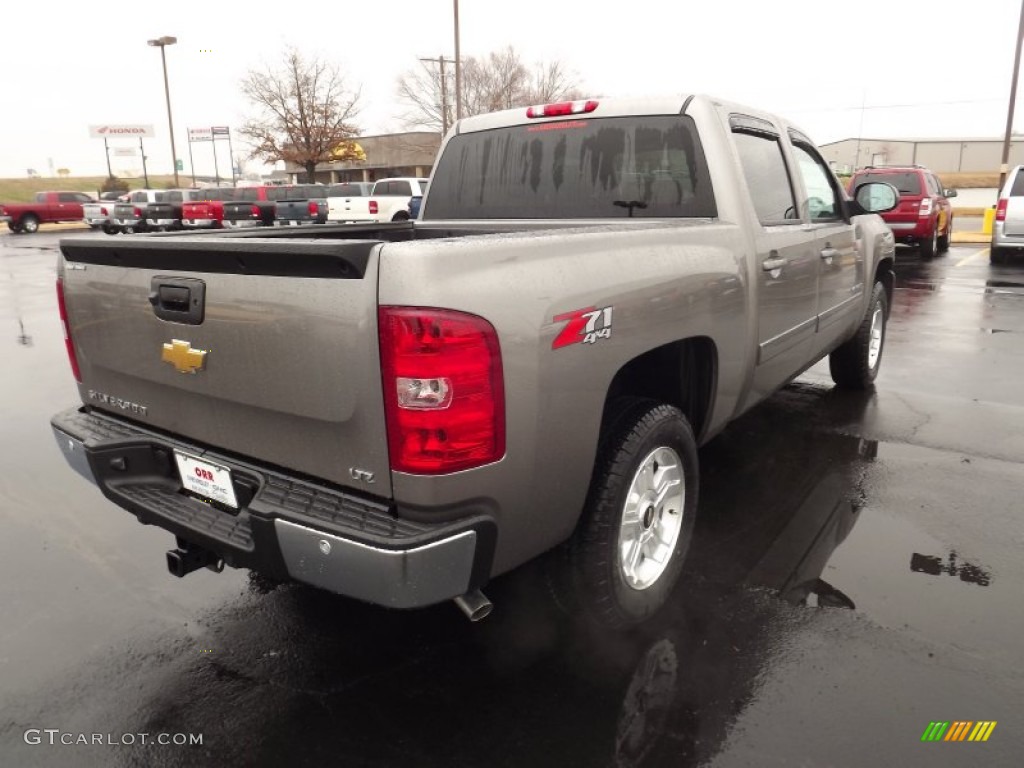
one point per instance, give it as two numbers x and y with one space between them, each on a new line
1008 229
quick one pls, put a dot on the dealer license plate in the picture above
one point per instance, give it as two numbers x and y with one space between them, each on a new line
211 481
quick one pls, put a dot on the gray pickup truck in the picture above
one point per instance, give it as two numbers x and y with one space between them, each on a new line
304 204
400 412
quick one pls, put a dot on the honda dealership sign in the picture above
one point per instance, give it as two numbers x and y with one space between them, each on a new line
109 131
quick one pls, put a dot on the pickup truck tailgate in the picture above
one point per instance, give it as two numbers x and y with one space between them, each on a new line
272 367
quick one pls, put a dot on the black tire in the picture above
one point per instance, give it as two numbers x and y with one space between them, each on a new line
14 227
400 216
944 239
996 255
851 364
110 229
590 580
930 245
29 223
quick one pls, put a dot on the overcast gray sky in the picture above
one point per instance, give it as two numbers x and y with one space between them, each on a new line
67 64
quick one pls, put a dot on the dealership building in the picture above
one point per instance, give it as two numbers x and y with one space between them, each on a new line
394 154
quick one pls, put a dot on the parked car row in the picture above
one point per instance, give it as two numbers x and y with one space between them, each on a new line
157 210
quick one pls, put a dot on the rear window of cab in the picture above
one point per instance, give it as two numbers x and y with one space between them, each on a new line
907 183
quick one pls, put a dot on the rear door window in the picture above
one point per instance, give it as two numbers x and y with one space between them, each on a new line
767 178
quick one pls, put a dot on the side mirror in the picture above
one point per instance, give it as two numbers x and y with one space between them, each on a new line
949 192
875 197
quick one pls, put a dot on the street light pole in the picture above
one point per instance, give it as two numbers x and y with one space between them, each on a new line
162 43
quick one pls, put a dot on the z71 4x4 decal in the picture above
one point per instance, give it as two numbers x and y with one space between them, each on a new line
583 326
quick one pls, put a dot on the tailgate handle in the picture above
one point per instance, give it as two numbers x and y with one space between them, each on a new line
178 299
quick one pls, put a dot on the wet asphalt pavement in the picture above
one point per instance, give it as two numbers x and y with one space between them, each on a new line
856 574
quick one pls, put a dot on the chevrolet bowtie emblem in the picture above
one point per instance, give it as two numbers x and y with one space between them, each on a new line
184 359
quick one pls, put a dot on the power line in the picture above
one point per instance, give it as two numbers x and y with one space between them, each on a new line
860 108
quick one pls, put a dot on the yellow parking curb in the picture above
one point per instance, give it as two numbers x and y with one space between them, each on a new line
963 238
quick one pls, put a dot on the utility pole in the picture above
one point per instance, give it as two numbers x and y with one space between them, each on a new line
458 67
1005 164
441 61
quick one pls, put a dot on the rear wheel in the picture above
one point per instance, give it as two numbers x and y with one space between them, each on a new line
944 239
110 229
14 227
628 549
855 364
29 223
400 216
930 245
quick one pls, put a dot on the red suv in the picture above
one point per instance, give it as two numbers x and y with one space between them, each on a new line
924 216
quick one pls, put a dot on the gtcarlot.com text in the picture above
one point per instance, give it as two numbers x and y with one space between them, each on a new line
57 737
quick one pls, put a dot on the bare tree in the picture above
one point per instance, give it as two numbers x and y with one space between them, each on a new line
305 112
429 105
499 80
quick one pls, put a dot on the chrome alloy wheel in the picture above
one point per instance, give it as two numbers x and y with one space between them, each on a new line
875 337
652 518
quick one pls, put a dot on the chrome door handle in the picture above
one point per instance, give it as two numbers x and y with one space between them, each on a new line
771 265
828 254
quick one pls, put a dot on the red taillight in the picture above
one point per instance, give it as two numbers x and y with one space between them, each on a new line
313 208
926 208
373 206
1001 209
255 211
444 393
103 212
68 341
137 212
562 108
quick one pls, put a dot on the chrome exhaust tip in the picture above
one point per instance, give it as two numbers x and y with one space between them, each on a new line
475 605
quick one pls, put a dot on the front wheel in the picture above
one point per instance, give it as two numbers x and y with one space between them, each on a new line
628 549
855 364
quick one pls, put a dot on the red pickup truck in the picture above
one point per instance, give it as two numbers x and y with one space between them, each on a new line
207 208
48 207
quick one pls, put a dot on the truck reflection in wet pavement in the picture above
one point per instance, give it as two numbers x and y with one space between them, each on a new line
297 671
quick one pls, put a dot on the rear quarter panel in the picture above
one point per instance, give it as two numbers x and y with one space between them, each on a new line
664 282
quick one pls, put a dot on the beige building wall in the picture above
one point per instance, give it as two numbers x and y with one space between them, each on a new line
939 155
396 154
